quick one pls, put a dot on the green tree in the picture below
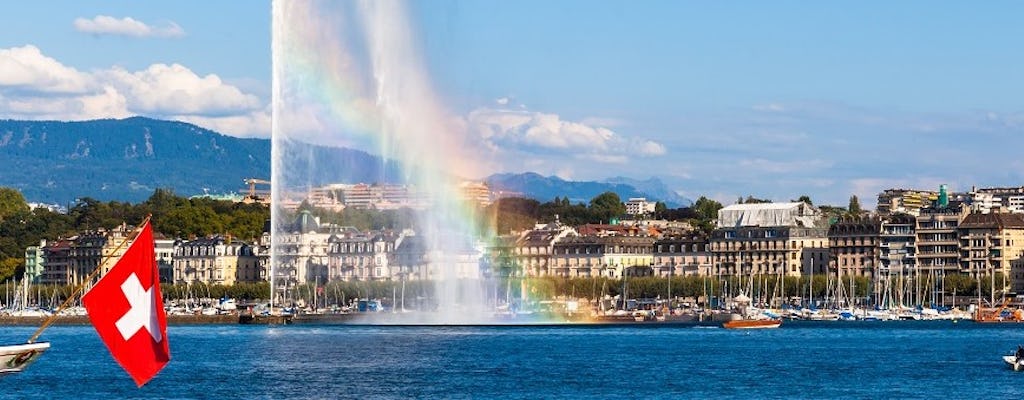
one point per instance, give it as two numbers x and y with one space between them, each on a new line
806 199
11 203
854 207
606 206
513 213
706 209
753 200
660 209
10 268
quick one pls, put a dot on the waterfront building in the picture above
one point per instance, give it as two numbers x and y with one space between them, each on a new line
769 238
354 255
854 245
609 256
938 252
499 258
164 248
302 251
897 249
581 256
416 259
215 260
57 265
682 255
535 247
1017 276
34 262
91 248
990 244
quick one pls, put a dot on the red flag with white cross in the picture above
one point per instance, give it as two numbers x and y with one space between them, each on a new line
127 310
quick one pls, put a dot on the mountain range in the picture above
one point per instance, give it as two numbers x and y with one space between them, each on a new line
127 159
545 188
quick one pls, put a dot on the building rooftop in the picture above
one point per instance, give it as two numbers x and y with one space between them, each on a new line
994 220
768 214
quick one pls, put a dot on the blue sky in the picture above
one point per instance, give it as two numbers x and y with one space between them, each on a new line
773 100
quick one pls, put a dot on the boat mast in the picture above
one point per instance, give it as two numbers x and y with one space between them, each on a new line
810 289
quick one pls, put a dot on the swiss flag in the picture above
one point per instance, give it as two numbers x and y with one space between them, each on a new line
127 311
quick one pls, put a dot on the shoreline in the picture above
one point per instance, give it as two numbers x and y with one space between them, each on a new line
9 320
387 320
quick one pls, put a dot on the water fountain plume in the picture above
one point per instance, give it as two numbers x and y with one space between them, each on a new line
350 74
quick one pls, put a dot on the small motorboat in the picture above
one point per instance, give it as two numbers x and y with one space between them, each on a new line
15 358
1014 363
752 324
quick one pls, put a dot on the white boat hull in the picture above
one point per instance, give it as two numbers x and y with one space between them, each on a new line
17 357
1013 363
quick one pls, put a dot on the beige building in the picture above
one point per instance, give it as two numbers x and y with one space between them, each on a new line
682 255
938 251
854 246
91 248
216 260
990 244
475 192
769 238
534 248
609 256
354 255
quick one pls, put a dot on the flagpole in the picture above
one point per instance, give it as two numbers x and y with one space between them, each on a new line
78 289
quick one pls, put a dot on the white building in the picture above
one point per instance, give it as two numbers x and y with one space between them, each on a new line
302 252
639 206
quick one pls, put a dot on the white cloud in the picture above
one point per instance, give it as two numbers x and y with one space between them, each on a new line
502 101
127 26
647 147
174 89
27 69
34 86
531 130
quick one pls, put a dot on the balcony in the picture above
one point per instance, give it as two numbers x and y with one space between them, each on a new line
938 254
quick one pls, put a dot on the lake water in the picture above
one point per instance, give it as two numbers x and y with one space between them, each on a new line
799 360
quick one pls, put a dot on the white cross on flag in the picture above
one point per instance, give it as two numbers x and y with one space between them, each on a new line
127 311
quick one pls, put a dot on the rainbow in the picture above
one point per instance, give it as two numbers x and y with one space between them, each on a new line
350 74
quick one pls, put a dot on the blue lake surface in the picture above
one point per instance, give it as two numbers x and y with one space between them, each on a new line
800 360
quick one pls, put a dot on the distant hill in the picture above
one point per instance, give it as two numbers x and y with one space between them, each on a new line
125 160
654 188
545 188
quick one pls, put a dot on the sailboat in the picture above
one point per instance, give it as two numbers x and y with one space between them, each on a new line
16 357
